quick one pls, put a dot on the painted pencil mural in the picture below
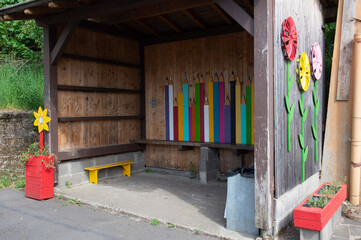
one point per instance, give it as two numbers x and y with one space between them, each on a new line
219 117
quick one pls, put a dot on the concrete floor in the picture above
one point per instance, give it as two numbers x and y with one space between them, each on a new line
170 199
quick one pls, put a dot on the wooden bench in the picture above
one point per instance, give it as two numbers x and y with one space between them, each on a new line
93 171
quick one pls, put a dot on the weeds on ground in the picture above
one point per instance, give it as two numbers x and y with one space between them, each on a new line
197 231
170 225
148 170
68 184
73 201
154 222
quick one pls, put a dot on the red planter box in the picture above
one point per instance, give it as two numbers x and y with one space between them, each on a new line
316 218
39 180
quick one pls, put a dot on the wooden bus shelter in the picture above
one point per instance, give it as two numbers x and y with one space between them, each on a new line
105 64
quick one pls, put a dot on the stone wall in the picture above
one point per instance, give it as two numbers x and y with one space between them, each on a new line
16 134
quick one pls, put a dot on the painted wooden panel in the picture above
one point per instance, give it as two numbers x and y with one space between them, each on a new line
221 111
309 23
170 105
185 112
211 110
223 53
238 113
197 57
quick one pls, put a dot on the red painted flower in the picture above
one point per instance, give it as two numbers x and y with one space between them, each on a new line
289 38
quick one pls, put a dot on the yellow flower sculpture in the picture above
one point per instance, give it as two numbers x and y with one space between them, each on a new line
304 71
41 120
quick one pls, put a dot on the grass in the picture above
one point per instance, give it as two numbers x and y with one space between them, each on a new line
10 182
5 181
21 85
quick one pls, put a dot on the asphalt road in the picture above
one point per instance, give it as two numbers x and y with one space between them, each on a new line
25 219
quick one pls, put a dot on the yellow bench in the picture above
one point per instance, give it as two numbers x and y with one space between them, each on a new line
93 171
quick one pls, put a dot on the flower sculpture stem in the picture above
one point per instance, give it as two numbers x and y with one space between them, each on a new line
316 102
301 136
290 109
41 142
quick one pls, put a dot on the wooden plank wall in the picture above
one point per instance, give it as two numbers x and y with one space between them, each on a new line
309 20
74 72
223 53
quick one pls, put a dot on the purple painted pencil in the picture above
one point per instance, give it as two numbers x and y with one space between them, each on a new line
227 121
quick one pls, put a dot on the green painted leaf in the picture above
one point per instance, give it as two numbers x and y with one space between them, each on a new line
292 111
314 132
304 115
317 106
314 97
300 138
287 101
300 103
305 153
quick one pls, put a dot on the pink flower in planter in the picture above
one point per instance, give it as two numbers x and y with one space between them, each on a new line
316 60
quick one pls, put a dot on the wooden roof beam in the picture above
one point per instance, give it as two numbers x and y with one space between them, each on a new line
100 9
221 14
330 14
64 4
41 11
147 27
16 16
153 10
324 3
231 28
238 14
194 18
170 23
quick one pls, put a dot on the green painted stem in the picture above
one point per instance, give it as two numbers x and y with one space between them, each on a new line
288 132
304 150
289 117
315 113
302 125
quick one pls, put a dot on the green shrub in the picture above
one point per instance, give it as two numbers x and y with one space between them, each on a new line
21 85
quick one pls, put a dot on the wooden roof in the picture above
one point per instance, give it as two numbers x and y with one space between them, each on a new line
144 18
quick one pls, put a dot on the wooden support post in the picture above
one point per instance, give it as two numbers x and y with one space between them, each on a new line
142 89
263 115
238 14
60 45
50 90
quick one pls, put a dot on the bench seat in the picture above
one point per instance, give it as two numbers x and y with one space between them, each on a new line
93 171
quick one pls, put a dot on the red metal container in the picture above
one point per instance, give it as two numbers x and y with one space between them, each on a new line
316 218
39 180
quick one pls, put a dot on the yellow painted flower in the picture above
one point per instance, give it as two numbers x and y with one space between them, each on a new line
41 120
304 71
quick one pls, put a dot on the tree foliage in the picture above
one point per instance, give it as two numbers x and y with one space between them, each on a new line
21 39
